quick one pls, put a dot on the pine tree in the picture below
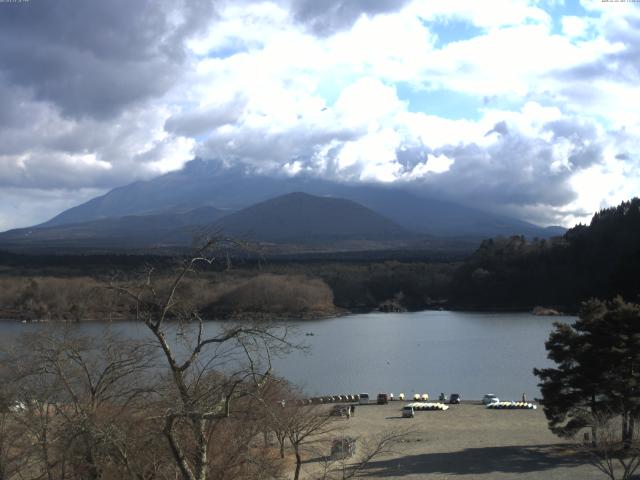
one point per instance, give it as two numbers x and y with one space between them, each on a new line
597 368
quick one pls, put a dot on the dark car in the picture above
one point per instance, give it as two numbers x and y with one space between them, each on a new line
455 398
383 399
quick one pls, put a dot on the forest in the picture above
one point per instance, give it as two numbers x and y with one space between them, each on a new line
599 260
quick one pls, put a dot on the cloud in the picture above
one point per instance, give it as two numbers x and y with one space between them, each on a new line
504 161
607 84
523 166
83 91
328 17
432 164
205 119
93 58
98 94
487 15
575 27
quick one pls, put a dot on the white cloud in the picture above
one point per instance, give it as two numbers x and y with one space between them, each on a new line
603 185
433 164
368 102
574 27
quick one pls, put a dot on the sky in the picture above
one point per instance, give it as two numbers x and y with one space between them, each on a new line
525 108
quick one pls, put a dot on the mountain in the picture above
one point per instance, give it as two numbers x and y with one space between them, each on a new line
295 218
303 218
207 183
132 231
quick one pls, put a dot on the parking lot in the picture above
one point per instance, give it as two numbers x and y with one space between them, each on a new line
467 441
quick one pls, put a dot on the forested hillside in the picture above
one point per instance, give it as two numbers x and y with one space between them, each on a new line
599 260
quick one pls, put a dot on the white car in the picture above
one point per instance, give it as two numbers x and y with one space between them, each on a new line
490 398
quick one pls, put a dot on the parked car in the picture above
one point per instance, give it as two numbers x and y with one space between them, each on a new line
364 399
490 398
455 398
408 412
343 448
383 399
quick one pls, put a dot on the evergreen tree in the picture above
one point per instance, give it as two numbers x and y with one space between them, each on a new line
598 368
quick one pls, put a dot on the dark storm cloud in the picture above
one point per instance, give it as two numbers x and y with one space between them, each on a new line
93 57
327 17
201 121
518 169
46 169
410 155
621 66
271 150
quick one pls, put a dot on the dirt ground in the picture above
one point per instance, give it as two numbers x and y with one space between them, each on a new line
466 442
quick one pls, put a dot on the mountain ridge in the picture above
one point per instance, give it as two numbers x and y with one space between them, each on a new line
295 219
207 183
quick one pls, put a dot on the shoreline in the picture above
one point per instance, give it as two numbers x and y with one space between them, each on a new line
308 316
246 317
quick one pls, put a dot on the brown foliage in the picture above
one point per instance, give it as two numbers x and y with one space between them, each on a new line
282 295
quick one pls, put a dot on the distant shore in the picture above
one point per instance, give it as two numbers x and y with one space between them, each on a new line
15 316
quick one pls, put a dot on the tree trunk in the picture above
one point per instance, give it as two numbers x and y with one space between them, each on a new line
93 470
594 428
202 446
296 475
627 432
282 438
176 450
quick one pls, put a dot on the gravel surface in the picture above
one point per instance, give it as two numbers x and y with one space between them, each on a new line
467 441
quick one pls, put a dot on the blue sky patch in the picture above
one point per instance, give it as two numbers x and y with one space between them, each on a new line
442 102
567 8
449 31
229 49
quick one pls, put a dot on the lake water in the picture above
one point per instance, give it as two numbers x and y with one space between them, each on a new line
431 351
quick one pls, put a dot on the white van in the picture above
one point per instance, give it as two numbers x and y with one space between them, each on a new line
490 398
364 399
407 412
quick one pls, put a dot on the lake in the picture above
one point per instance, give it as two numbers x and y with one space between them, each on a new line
432 351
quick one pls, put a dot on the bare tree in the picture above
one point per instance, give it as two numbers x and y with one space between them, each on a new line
208 373
307 427
13 444
185 403
276 399
615 457
77 392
